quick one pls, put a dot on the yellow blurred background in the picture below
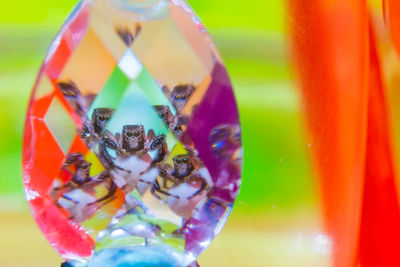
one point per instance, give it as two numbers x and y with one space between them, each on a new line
275 221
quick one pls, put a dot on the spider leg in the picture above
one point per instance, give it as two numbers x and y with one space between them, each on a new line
108 141
165 180
122 169
73 95
165 174
105 157
61 187
201 189
165 171
110 199
146 182
110 196
73 158
194 156
150 135
157 189
70 199
149 140
102 176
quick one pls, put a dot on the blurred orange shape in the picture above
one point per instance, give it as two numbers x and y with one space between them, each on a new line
331 50
380 230
392 14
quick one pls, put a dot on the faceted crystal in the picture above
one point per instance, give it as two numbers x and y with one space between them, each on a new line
132 136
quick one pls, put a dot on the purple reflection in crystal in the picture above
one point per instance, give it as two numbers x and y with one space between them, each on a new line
203 227
217 108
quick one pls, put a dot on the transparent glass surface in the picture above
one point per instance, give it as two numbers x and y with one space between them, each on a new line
304 196
132 136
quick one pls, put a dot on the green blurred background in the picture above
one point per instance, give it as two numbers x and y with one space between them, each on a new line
275 221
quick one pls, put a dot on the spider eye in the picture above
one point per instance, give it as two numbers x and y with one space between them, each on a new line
185 160
85 134
108 117
136 134
102 117
129 134
178 161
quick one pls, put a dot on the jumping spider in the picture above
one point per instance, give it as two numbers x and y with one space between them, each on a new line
179 95
81 179
132 141
93 129
183 172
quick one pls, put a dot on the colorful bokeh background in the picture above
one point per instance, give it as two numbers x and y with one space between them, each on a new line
276 219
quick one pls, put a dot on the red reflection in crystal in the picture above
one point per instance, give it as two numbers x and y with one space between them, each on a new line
69 40
78 146
69 238
72 113
40 106
60 57
46 157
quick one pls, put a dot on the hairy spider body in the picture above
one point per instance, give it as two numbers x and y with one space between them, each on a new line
133 139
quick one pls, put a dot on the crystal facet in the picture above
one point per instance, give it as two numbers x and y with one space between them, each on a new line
132 136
